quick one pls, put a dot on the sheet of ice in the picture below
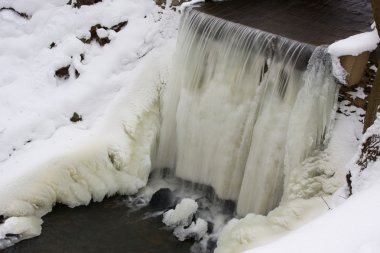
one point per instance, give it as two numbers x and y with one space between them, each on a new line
182 214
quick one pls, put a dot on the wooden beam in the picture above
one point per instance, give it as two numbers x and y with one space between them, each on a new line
374 96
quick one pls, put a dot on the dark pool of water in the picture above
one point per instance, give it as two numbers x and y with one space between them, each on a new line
315 22
106 227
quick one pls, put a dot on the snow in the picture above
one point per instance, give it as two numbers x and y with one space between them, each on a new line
356 44
187 4
353 45
102 33
351 227
182 214
359 93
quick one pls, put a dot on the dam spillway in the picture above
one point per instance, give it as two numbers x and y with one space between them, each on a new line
243 109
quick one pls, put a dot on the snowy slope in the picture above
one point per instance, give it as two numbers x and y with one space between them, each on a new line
45 157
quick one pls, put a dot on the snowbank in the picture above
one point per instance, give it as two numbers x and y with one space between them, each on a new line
352 227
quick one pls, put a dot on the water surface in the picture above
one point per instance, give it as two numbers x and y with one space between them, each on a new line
105 227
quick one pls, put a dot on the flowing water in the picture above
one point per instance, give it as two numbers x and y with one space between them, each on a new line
243 109
109 226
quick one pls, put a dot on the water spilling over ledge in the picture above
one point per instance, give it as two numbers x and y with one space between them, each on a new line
243 109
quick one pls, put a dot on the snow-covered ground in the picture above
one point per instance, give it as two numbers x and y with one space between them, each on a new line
46 158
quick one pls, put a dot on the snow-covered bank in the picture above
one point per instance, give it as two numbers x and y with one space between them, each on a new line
46 158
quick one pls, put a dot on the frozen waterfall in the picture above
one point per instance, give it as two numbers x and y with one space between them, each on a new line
243 108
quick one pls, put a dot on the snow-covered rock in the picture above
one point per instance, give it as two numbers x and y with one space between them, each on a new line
182 214
196 230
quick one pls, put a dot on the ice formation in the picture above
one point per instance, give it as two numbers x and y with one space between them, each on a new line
196 230
242 120
182 214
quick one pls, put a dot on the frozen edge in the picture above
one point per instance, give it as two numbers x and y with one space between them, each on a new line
116 160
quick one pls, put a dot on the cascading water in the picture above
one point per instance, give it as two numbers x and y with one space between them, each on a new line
243 109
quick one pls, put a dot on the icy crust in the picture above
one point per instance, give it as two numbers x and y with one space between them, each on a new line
113 157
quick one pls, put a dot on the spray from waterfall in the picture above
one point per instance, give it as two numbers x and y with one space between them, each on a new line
243 108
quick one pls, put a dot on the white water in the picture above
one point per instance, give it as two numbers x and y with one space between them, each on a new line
242 111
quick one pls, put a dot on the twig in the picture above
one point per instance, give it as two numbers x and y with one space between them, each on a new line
326 203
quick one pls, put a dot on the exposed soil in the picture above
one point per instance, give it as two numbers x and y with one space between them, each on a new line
102 41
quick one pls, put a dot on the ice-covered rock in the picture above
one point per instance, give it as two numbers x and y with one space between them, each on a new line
182 214
196 230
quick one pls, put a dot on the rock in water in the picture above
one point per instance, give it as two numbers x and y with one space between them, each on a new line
162 199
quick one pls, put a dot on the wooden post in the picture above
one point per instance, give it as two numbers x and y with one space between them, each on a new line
374 96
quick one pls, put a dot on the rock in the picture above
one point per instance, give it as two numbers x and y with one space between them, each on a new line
63 73
79 3
52 45
210 227
94 36
2 219
119 26
76 117
12 236
77 74
162 199
174 2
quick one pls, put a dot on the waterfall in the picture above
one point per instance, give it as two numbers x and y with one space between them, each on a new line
243 108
